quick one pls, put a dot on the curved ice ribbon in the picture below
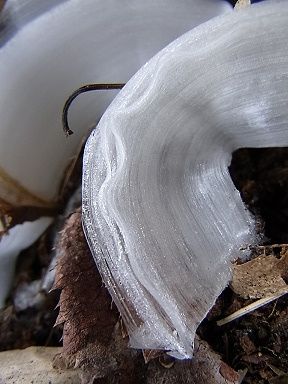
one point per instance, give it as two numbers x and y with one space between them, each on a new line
160 211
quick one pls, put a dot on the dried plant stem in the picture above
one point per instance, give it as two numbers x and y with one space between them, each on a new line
250 308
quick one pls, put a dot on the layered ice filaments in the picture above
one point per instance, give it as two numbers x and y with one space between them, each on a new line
161 214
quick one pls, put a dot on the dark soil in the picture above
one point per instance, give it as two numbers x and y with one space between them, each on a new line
261 176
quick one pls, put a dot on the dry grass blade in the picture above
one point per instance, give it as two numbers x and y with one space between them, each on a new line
250 308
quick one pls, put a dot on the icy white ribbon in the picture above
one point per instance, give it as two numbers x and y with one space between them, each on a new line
161 213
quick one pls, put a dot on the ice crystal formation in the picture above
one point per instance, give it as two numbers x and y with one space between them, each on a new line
162 216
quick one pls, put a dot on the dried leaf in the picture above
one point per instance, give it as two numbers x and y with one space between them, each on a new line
85 305
12 193
260 277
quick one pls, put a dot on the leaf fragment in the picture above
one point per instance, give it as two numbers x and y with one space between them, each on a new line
261 277
85 305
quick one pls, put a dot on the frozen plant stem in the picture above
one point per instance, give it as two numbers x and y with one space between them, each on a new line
161 213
